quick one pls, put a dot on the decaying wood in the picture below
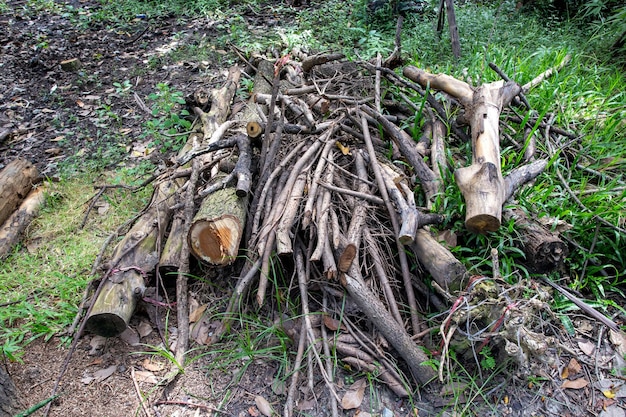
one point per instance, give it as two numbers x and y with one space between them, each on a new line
544 250
133 259
336 195
13 228
217 227
16 181
445 269
9 401
481 183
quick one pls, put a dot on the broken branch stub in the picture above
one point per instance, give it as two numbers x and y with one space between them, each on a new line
481 183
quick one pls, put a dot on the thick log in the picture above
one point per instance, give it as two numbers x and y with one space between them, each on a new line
544 250
481 183
13 228
445 269
217 228
16 181
133 258
9 403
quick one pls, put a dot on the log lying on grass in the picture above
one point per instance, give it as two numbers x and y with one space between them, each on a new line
481 183
544 250
133 259
14 227
16 181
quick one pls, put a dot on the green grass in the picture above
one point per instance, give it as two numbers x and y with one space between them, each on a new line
44 282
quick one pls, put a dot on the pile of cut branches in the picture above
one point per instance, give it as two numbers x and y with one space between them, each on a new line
318 174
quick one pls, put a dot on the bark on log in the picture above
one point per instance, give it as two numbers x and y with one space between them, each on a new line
544 250
217 227
9 403
13 228
445 269
133 258
394 332
16 181
481 183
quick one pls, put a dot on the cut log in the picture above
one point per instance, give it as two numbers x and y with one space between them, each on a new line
133 258
544 250
16 181
446 270
217 228
481 183
9 403
14 227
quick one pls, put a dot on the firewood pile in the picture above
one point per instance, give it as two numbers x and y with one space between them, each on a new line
323 178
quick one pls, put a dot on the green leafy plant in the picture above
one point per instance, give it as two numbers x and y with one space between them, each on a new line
169 119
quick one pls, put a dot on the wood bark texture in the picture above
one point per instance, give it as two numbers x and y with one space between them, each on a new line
217 227
481 183
133 259
16 181
9 402
13 228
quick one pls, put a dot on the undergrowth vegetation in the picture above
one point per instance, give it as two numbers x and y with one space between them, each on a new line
582 192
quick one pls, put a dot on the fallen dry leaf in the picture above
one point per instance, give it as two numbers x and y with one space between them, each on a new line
102 374
144 328
354 396
146 376
331 323
575 384
264 406
587 347
619 341
572 368
152 366
196 314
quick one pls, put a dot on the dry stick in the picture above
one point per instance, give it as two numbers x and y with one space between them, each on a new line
138 391
546 74
323 208
407 147
505 77
432 101
288 410
404 265
377 83
317 174
306 314
327 353
267 187
374 252
283 230
267 233
369 198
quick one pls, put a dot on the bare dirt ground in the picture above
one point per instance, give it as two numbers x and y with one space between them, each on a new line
55 114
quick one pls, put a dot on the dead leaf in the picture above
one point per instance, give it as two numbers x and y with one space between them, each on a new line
619 341
575 384
572 368
152 366
196 314
331 323
612 411
146 376
144 328
354 396
587 347
130 336
346 258
253 411
103 374
264 406
344 149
